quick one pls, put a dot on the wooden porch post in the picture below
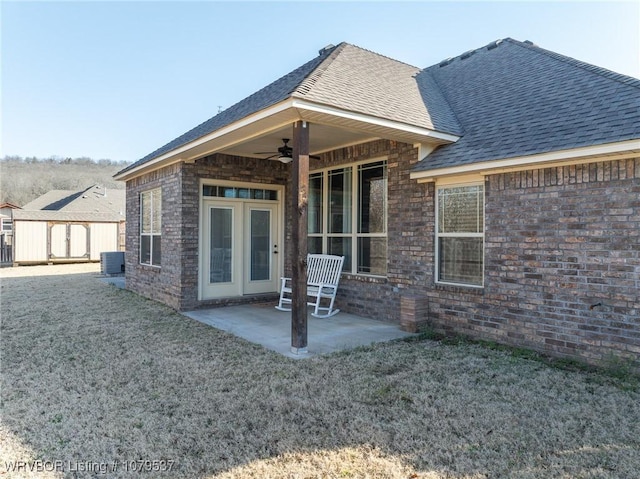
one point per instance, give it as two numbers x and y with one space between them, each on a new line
299 228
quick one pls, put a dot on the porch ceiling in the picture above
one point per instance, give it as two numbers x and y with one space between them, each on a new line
330 129
321 138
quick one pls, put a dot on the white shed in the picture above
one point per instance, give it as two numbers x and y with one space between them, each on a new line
67 226
58 236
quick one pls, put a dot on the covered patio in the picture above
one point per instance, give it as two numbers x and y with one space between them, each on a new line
298 167
261 323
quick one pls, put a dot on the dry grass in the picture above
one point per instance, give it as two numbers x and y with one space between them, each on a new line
92 374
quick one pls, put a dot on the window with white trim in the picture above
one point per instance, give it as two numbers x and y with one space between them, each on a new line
460 235
150 226
348 216
7 224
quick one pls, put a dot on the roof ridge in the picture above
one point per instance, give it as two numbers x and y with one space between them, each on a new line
427 72
596 70
312 78
306 85
467 54
395 60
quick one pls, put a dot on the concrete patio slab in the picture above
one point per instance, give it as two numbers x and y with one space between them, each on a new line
264 325
117 281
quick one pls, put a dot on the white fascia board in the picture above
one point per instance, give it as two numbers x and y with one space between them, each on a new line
628 149
373 120
174 155
181 153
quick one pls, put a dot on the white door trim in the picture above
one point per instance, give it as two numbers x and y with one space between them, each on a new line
203 235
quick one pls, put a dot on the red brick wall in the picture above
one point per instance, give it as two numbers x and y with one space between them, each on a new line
161 284
175 283
407 252
562 251
562 263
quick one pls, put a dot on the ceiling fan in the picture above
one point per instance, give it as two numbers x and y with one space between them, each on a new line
284 154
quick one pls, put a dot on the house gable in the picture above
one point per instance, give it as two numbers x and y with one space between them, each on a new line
345 86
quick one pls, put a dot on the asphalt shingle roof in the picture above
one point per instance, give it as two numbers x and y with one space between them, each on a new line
516 99
52 200
91 200
47 215
362 81
505 100
346 77
273 93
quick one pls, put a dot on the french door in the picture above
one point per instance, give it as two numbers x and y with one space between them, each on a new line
240 248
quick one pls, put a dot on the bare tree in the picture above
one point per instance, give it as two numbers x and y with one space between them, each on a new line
24 179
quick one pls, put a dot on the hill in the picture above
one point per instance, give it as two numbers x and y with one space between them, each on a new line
25 179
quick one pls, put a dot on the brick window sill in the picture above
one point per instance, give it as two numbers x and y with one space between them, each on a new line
458 288
148 267
363 278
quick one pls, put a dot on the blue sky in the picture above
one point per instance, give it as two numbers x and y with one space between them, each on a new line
119 79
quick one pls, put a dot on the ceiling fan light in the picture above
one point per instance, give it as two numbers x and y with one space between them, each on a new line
285 159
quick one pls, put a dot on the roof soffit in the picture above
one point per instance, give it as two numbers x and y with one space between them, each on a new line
238 138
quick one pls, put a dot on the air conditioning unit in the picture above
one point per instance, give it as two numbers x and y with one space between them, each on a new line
112 262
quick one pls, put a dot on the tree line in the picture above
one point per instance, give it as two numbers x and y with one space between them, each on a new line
23 179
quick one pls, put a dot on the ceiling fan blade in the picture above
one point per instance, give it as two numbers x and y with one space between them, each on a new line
285 151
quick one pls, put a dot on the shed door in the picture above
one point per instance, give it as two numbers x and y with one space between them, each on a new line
58 241
68 241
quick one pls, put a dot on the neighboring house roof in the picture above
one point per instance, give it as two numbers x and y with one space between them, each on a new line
93 200
504 100
515 99
52 200
8 205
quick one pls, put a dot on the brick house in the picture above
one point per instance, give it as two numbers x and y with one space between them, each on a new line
495 194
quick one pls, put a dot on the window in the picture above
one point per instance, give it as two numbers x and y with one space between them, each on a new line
7 224
348 216
150 225
460 235
243 193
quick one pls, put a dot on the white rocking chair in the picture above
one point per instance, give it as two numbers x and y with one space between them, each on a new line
323 276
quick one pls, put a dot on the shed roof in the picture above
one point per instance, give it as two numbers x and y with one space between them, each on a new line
94 199
52 200
77 216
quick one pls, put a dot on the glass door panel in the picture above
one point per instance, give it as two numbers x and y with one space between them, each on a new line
261 248
221 247
240 248
220 274
260 233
